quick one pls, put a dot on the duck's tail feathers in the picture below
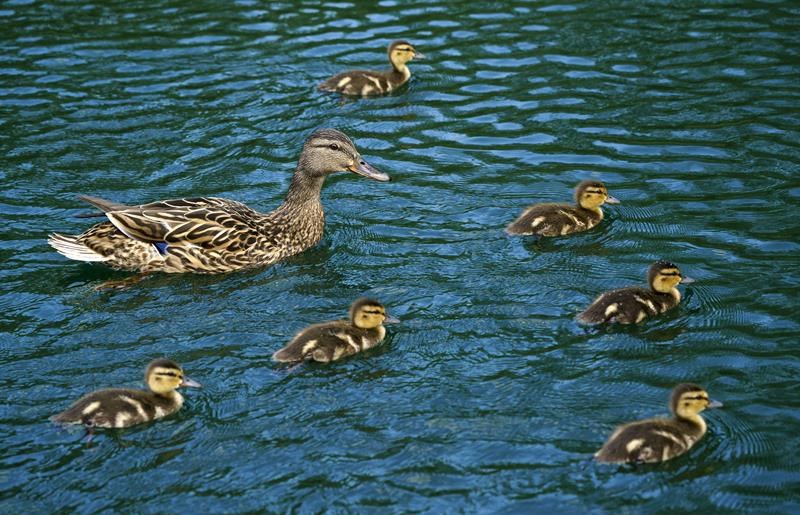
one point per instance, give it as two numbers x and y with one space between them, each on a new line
591 317
289 354
70 247
327 86
103 204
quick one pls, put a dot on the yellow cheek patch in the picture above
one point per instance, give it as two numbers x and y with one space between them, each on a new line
166 377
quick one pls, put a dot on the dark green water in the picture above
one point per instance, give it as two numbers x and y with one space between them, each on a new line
489 397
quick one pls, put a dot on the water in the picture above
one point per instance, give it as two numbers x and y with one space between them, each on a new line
489 397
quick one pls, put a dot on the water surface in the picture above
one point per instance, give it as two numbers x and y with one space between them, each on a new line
489 397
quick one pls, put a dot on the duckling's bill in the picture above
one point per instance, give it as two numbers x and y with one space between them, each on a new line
189 383
687 280
365 169
391 320
712 404
612 200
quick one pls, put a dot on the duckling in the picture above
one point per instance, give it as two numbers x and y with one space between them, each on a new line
125 407
365 83
561 219
660 439
634 304
337 339
212 235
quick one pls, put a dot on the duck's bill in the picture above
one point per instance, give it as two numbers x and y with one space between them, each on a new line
391 320
190 383
714 404
612 200
418 56
367 170
687 280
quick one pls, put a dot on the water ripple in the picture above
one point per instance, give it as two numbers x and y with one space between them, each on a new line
489 396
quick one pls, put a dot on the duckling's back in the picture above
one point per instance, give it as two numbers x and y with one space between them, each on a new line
363 82
553 220
329 341
649 441
118 407
626 306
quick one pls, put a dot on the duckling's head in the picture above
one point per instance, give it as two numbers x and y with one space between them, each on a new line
592 195
401 52
688 400
663 276
369 314
327 151
164 376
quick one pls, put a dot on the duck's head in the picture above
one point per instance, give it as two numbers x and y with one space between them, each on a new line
401 52
164 376
663 276
592 195
369 314
327 151
688 400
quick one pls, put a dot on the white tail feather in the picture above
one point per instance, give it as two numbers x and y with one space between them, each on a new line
68 246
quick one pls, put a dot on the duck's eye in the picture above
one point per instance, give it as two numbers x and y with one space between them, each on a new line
334 146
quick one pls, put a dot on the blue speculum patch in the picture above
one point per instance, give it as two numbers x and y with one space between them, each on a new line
161 246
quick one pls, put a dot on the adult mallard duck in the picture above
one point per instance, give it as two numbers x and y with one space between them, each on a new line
661 439
634 304
365 83
124 407
334 340
561 219
215 235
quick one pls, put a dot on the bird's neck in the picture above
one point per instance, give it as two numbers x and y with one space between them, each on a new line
595 210
402 69
304 191
672 292
300 216
171 398
695 421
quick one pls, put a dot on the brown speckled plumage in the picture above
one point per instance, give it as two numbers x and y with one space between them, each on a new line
215 235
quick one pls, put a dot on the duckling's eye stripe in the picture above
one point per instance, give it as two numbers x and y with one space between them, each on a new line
670 274
372 312
170 374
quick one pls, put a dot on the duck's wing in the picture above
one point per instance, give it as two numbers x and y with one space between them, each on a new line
206 222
